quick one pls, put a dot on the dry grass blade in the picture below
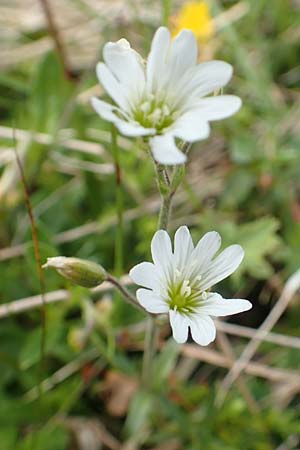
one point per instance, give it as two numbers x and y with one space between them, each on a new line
227 349
92 148
290 288
255 369
246 332
54 33
36 301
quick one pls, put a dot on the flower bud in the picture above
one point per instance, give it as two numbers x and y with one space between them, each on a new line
79 271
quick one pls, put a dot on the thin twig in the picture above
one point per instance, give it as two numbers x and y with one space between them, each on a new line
92 148
290 288
256 369
247 332
37 254
227 349
125 293
54 33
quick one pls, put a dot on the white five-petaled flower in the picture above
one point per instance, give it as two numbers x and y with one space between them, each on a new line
163 97
179 283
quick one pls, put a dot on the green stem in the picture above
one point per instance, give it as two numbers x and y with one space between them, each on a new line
125 293
167 190
149 352
119 204
165 211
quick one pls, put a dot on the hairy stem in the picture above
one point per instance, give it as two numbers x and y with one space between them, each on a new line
119 204
167 190
125 293
165 211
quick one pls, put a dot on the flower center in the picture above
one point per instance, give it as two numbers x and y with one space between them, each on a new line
154 114
185 296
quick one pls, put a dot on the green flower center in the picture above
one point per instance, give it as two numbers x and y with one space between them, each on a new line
185 297
154 114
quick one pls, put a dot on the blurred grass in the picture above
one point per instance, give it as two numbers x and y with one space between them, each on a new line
243 182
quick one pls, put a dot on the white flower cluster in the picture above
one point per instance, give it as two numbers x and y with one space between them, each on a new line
166 99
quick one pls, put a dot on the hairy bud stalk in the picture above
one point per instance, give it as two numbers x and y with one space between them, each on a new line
79 271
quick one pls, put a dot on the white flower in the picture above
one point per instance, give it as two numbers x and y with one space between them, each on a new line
163 98
178 283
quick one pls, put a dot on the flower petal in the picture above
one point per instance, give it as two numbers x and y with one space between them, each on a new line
183 55
151 302
206 78
165 151
204 251
203 329
179 325
114 89
144 274
222 266
126 65
161 250
132 129
190 127
183 247
157 57
217 306
216 108
104 109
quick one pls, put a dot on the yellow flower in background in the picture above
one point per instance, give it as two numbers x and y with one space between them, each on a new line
194 16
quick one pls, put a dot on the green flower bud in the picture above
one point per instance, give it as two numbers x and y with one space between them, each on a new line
79 271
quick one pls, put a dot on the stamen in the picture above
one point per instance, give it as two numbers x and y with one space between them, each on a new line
186 289
166 110
145 107
178 273
155 116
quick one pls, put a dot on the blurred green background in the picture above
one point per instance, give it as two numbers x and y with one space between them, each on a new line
244 182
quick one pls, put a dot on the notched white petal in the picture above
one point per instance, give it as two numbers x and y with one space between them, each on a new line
183 247
157 57
105 110
204 251
165 150
203 329
161 250
144 274
190 127
219 107
151 302
179 325
133 130
208 77
127 66
217 306
222 266
112 86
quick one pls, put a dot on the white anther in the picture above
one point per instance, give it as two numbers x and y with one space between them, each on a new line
156 115
204 295
166 110
186 289
145 107
178 273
